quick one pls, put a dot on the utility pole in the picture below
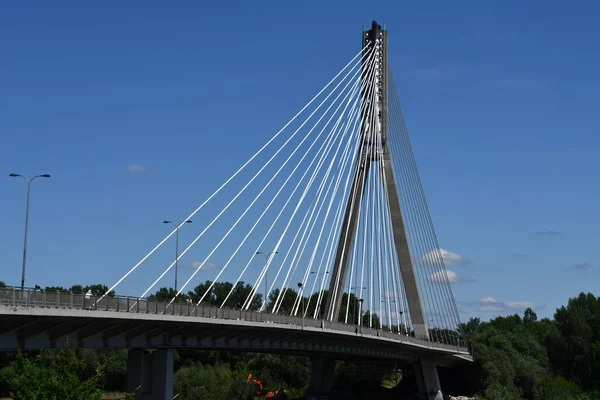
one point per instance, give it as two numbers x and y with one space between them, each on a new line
187 221
268 256
26 221
301 287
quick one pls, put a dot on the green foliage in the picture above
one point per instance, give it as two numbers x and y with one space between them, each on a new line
287 303
97 289
56 289
575 346
218 293
204 382
54 379
540 359
165 294
558 389
510 355
279 371
2 285
496 391
239 389
468 329
115 373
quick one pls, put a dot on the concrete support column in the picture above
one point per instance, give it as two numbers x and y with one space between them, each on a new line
322 376
428 380
152 373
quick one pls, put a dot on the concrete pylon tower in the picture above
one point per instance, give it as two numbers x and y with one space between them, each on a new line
374 126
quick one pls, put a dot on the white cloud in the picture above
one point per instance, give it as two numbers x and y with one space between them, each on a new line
448 257
451 276
133 168
438 276
199 265
490 304
520 304
488 300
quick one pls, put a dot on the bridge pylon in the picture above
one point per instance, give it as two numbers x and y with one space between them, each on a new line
374 148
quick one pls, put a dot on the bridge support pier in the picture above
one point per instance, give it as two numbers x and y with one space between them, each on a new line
152 373
428 379
322 376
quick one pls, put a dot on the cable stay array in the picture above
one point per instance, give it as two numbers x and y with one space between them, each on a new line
291 197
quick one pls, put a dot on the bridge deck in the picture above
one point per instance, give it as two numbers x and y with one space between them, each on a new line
36 319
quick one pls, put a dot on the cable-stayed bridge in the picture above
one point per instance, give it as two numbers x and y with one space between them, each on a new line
354 269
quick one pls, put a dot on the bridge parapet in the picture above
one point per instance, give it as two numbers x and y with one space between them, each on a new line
16 298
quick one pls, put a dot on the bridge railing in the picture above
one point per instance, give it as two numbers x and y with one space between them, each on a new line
15 297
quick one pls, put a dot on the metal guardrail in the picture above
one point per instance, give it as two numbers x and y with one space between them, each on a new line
15 297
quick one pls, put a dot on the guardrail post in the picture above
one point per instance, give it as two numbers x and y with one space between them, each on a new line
44 298
28 296
58 299
14 296
138 305
71 296
117 303
127 303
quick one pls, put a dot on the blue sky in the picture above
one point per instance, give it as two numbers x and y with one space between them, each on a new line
500 100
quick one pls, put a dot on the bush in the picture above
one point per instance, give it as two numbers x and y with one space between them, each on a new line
239 389
558 389
45 379
202 382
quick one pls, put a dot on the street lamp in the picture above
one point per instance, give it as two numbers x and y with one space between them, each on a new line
360 300
322 274
322 279
26 220
360 314
301 287
187 221
268 256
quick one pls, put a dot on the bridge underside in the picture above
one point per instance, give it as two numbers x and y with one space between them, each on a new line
46 328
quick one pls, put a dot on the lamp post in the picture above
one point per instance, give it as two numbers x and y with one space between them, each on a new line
301 287
268 256
322 279
360 314
26 221
360 301
187 221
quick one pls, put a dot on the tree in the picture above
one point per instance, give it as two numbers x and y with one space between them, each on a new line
56 289
2 285
373 322
529 317
575 349
99 290
217 294
287 303
165 294
49 378
77 289
512 359
468 329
